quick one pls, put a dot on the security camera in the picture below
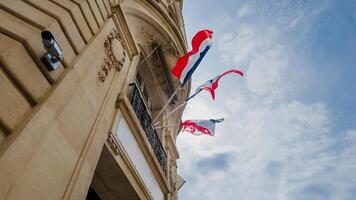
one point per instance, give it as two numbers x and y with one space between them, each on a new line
53 57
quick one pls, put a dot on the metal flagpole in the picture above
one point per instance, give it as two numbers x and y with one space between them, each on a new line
173 111
171 2
167 103
148 55
180 87
157 127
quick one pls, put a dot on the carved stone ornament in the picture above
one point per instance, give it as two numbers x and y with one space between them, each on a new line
151 38
115 55
113 144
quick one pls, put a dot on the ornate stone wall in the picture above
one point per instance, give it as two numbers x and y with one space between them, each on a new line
54 124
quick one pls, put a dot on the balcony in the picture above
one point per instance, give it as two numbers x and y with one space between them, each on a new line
145 119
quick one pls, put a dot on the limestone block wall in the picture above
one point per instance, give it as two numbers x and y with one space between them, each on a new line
49 121
53 148
53 124
25 80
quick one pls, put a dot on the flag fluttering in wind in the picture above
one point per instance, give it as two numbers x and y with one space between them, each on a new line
186 65
198 127
212 84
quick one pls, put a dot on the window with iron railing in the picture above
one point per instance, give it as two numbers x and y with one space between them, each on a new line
143 114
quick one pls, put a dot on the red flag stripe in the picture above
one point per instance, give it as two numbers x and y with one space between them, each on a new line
194 127
199 43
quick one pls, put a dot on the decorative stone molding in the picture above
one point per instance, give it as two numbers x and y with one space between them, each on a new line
113 144
149 36
152 38
115 55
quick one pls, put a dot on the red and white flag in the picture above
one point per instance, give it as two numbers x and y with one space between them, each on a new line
186 65
198 127
212 84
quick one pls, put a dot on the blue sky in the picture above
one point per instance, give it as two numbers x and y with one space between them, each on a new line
290 128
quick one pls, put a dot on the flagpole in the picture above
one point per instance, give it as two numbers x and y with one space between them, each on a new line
177 125
180 87
167 103
148 55
171 2
173 111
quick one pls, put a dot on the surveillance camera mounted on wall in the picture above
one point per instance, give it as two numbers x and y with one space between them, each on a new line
54 55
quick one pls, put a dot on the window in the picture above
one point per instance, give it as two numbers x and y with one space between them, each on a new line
141 84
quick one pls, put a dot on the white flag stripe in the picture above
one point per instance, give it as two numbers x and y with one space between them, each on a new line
193 58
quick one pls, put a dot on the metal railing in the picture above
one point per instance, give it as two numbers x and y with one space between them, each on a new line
143 115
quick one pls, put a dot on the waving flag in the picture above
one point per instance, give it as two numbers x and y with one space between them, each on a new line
186 65
198 127
212 84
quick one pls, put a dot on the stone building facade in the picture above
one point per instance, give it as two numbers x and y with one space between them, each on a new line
83 130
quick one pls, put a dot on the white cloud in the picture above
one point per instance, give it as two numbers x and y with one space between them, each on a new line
266 72
283 152
240 46
291 14
246 43
244 10
277 147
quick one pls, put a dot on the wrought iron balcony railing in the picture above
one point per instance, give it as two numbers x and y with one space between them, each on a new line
143 115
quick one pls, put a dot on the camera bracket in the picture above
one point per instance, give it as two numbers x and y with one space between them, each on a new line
51 63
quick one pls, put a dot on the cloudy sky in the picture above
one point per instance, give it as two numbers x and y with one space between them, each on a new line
290 122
